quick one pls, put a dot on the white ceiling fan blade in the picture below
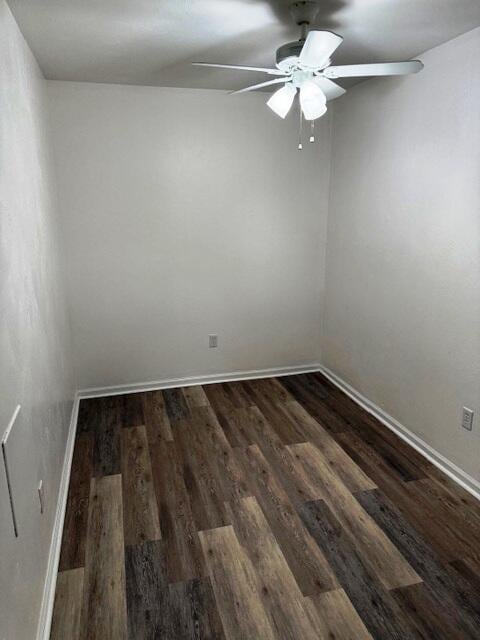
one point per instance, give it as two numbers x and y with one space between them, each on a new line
281 101
260 85
318 47
312 100
329 88
380 69
273 72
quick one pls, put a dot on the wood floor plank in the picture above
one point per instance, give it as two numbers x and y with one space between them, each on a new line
424 613
405 495
425 517
448 592
448 541
195 396
157 610
392 455
376 607
235 585
236 391
307 563
356 416
82 465
184 557
364 423
194 611
333 398
311 401
461 497
313 383
469 570
219 398
68 605
176 405
140 513
280 594
74 537
157 421
132 410
72 554
104 615
235 426
366 457
289 472
334 617
348 471
338 404
286 428
112 402
225 465
378 551
201 478
272 389
106 452
89 414
453 514
409 464
328 396
149 613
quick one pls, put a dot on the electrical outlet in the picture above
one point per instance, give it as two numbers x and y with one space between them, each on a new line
41 496
212 341
467 419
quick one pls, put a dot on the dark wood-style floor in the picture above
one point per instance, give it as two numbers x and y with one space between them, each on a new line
265 509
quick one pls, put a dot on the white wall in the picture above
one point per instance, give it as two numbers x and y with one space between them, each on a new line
402 322
34 337
187 212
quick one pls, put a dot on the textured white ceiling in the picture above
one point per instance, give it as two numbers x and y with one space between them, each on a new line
152 42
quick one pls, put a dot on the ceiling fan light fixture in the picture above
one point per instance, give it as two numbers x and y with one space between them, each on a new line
281 101
312 100
305 64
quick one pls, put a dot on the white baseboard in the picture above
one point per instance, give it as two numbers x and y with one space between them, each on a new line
449 468
169 383
48 598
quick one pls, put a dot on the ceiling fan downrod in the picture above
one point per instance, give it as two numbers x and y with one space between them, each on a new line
304 14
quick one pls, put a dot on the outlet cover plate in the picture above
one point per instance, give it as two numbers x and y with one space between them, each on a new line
467 418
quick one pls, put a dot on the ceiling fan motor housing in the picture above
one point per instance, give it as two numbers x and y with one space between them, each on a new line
287 54
304 14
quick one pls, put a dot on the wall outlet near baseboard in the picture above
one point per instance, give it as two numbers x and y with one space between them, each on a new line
467 418
212 341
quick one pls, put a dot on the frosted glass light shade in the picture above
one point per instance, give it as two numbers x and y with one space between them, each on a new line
312 100
281 101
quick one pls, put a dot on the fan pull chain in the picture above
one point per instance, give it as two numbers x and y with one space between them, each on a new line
300 145
312 131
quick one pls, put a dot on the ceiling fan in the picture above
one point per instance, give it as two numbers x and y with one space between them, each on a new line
305 66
